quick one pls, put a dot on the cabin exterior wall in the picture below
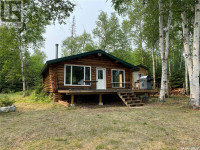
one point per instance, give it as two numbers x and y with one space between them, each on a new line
56 72
142 71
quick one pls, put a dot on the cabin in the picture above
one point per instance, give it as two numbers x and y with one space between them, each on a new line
94 72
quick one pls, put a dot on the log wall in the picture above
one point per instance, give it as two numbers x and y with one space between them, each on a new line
56 72
142 70
46 82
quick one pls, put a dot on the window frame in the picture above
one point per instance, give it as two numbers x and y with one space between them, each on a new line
71 65
118 82
142 74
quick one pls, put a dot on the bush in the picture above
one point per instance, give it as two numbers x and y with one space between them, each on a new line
39 95
6 101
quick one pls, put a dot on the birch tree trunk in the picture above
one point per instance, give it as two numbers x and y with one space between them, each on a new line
164 52
192 63
22 70
140 40
188 58
186 79
154 71
170 74
196 54
161 43
181 60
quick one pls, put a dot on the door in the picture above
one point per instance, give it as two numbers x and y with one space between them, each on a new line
101 78
135 79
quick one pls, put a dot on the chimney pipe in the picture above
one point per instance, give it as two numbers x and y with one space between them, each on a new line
56 51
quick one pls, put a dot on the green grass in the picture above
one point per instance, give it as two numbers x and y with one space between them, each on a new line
37 125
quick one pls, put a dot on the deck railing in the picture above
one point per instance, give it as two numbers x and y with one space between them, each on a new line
92 86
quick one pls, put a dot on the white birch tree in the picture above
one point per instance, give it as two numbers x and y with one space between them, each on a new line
164 51
192 59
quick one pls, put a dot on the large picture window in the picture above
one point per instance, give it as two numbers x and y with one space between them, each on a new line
77 75
118 78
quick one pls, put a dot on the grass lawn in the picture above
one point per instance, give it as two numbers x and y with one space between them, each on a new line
51 126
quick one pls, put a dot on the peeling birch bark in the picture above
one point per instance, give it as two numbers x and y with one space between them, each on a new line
186 79
164 52
154 71
196 54
192 61
22 70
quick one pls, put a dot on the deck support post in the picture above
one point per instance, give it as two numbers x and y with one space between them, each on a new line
100 100
72 100
149 95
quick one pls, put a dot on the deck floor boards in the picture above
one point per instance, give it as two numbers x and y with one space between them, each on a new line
107 91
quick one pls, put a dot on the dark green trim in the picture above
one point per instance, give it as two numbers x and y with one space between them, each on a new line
142 66
86 54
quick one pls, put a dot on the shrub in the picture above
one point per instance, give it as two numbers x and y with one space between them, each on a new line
6 101
39 95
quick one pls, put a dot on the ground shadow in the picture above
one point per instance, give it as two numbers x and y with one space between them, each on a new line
92 101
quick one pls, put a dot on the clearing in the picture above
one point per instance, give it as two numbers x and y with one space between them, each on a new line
38 125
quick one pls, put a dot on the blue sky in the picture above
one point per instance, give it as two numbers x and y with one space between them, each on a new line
86 13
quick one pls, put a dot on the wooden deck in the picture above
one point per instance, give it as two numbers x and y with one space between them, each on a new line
128 96
107 91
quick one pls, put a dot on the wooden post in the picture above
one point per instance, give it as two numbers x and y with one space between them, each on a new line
149 95
72 100
100 100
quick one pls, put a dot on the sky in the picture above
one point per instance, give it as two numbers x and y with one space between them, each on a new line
86 13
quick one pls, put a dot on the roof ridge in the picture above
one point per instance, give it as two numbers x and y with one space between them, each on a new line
86 54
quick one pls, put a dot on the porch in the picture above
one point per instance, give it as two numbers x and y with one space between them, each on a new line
128 96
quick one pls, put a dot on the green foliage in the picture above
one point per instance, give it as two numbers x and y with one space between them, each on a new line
143 16
10 73
6 101
78 44
107 32
34 64
177 79
39 95
36 16
10 68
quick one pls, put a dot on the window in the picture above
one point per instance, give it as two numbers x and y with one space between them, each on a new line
76 75
140 75
68 75
87 75
100 74
118 78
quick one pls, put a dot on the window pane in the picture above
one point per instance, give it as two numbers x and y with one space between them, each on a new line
118 76
141 75
68 75
77 75
87 75
100 74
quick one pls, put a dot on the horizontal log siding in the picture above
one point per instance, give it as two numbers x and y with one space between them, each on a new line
57 71
142 70
57 97
53 78
46 82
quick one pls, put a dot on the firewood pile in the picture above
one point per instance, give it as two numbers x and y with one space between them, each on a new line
66 104
177 91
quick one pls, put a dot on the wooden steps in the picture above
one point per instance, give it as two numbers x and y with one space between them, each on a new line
130 99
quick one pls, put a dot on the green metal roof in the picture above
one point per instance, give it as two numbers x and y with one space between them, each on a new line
142 66
86 54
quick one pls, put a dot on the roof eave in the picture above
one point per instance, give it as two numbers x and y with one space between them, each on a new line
86 54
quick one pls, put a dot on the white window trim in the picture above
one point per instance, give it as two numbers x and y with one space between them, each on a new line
71 74
118 82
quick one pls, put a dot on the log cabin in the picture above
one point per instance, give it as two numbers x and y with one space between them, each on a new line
94 72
